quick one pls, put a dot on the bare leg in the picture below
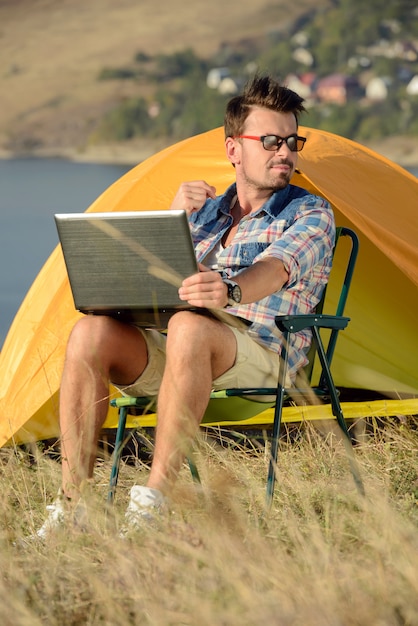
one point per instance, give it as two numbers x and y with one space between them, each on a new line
199 349
99 349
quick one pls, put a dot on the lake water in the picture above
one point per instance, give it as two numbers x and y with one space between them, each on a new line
31 191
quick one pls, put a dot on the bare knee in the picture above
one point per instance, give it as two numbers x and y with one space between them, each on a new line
89 335
194 334
190 325
117 349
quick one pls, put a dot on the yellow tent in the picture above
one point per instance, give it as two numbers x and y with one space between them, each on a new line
379 349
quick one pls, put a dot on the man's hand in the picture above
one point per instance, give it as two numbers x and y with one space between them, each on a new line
205 289
192 196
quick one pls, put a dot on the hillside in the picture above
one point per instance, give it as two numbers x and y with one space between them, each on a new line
54 50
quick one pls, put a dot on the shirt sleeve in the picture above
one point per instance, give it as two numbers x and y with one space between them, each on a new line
308 241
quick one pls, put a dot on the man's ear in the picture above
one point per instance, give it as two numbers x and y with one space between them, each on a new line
233 150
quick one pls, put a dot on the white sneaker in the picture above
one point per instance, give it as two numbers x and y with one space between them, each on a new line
60 513
145 506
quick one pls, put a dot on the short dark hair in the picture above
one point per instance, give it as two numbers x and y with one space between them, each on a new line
264 92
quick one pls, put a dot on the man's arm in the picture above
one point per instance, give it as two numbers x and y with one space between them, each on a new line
261 279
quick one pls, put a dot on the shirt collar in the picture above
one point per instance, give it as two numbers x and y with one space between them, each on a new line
273 206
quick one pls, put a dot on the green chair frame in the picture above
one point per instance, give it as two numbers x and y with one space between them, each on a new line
325 389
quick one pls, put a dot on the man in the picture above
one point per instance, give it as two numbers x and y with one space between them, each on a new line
265 248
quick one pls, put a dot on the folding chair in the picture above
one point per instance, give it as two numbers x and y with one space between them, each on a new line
247 398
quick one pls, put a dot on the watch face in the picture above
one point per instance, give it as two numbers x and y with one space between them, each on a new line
234 292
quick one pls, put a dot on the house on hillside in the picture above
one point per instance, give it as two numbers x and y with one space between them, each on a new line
303 56
304 84
220 78
216 75
228 86
338 89
412 86
377 89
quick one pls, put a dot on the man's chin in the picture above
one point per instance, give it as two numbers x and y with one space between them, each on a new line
282 182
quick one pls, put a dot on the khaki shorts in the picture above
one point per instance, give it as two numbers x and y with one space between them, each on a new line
255 366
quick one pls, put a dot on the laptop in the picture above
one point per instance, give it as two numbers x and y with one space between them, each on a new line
128 265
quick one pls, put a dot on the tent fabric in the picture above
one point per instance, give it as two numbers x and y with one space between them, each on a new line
369 193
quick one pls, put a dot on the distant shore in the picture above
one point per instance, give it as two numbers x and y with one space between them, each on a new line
126 153
401 150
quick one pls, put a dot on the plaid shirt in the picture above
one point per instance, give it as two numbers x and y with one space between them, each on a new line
293 226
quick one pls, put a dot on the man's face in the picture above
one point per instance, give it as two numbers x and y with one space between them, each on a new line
256 166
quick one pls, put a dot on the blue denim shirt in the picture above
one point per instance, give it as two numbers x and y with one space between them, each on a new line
294 226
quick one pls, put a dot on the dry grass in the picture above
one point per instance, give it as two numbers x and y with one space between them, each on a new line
323 556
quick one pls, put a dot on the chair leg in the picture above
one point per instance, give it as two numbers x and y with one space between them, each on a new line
120 434
119 441
193 470
337 412
278 409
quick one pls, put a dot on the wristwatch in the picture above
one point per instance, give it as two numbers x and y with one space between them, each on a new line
234 292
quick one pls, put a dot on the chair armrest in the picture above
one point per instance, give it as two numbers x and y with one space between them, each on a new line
295 323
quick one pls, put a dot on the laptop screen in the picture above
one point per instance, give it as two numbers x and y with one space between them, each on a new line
128 265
